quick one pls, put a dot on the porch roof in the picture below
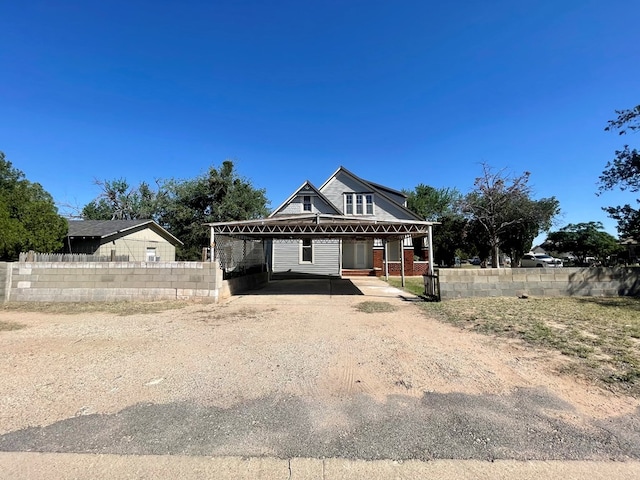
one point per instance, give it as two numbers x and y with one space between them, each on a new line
321 226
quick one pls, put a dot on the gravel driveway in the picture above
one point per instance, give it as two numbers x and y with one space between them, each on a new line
296 370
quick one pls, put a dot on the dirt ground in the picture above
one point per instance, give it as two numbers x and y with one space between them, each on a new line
311 360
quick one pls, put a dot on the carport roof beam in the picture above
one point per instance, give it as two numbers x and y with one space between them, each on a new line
320 226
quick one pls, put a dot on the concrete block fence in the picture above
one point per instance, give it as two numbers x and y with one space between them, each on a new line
111 281
4 281
544 282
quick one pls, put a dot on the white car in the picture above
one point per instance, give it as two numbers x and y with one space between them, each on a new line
540 260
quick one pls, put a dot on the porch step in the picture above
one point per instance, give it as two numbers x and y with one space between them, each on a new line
358 273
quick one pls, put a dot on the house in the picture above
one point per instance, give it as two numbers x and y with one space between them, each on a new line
629 251
347 226
137 240
539 249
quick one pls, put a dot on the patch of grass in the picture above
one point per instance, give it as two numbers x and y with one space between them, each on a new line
7 326
375 307
116 308
412 284
600 335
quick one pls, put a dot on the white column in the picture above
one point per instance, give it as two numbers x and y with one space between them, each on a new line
401 244
430 230
212 245
340 257
386 258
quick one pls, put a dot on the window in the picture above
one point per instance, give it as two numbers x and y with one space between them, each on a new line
393 250
369 203
151 254
363 204
306 254
306 203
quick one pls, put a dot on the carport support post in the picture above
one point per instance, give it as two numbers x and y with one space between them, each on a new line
386 259
430 233
402 261
212 245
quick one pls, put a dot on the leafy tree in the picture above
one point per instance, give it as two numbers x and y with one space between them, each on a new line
433 203
220 195
441 205
182 206
478 239
535 216
583 240
119 201
29 219
449 238
500 207
624 172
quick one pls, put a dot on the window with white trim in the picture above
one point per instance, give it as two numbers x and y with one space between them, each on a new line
306 203
306 251
358 203
151 254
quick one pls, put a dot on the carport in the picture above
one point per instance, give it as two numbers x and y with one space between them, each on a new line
326 227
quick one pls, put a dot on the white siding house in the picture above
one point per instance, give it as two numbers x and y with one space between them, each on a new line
346 195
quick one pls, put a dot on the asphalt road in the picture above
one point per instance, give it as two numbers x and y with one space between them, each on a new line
522 426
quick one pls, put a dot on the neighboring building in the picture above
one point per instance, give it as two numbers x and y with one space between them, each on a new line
347 198
539 249
140 240
631 251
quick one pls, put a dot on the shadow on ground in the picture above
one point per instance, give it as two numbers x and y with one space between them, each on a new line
524 425
301 284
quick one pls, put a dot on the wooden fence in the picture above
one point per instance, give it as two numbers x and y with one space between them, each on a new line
432 285
70 257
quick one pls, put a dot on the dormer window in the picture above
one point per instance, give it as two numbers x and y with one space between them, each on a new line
306 203
368 198
358 203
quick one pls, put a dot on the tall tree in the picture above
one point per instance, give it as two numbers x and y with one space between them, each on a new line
219 195
119 201
501 206
583 240
624 172
29 219
433 203
449 238
182 206
440 205
535 216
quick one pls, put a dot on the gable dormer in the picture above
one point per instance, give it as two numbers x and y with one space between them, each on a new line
358 197
306 200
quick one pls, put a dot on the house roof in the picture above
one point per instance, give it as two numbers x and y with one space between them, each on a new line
314 190
378 189
387 189
107 228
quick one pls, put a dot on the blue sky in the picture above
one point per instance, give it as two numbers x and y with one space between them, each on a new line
398 92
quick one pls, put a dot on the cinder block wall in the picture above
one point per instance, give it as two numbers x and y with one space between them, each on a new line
547 282
114 281
4 281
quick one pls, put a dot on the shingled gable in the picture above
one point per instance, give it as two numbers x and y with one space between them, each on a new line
381 190
305 189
